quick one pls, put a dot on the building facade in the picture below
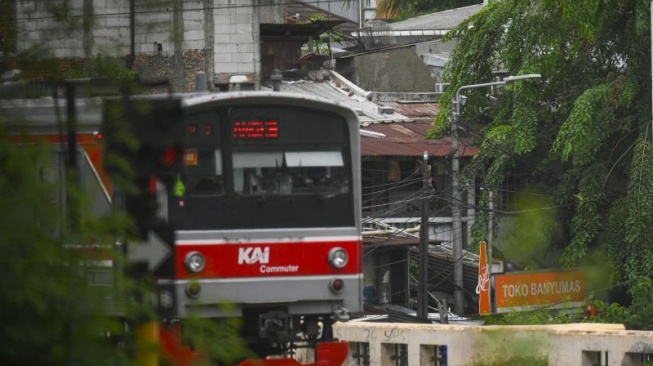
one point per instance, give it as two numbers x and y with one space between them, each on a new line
168 41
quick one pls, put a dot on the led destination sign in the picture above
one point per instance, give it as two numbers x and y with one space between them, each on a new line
256 130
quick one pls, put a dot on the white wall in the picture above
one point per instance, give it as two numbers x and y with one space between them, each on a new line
581 344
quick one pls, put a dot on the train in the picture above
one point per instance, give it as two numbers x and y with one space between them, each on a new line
245 204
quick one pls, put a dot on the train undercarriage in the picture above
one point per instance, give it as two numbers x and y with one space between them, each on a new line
273 337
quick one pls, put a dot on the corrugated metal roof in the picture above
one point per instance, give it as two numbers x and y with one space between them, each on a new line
409 139
368 112
447 19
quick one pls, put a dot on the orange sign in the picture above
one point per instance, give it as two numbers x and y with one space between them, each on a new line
523 291
190 157
483 287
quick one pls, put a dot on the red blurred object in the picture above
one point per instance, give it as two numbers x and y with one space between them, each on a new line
327 354
175 352
590 311
169 157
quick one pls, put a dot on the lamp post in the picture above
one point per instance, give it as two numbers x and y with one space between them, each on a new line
455 197
423 290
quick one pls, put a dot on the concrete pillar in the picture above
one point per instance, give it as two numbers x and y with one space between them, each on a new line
209 40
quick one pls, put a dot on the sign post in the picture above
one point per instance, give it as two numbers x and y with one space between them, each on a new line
519 291
483 287
153 251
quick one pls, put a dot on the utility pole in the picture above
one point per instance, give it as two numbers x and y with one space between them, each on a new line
423 289
456 219
490 233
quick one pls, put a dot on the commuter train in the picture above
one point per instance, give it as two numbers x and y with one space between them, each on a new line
247 204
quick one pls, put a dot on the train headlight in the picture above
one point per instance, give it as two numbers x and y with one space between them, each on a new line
195 262
338 257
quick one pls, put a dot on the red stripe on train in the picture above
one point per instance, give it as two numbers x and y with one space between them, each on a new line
237 260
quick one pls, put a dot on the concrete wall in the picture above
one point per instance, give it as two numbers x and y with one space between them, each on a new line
582 344
236 45
224 33
391 70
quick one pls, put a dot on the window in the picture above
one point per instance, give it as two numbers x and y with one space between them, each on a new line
296 172
203 172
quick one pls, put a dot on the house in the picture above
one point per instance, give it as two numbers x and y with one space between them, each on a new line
400 46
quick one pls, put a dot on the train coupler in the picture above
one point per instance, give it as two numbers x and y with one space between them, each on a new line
274 324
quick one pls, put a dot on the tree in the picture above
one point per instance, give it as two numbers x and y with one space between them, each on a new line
582 136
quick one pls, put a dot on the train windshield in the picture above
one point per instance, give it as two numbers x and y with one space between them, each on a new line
289 172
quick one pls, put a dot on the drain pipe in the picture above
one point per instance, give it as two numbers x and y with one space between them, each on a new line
200 81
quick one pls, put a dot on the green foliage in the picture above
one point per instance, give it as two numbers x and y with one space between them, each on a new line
317 45
114 69
217 339
639 217
532 231
531 361
637 316
585 224
533 317
583 134
49 315
581 137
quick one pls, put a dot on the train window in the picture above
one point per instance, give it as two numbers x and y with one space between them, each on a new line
258 160
257 173
203 171
313 158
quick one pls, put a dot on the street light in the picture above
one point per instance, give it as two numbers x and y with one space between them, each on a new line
455 168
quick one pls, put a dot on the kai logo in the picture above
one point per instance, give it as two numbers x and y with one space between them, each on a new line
253 255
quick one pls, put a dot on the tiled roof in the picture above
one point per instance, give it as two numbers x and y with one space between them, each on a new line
416 110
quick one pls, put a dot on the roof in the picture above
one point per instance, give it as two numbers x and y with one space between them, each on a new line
445 20
409 139
416 110
303 10
388 128
417 29
368 112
